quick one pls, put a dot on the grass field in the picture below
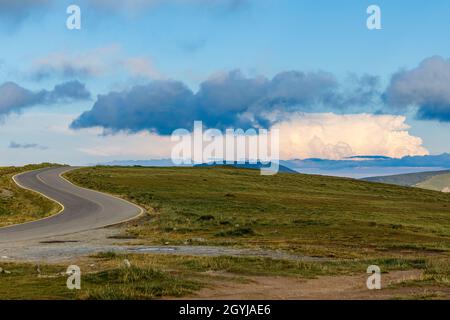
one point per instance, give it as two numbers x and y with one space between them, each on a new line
18 205
105 276
304 214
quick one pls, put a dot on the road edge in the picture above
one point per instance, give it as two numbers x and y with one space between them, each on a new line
41 194
141 210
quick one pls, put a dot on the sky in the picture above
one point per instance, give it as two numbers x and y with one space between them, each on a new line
139 69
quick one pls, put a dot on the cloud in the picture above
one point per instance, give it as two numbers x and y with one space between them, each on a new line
228 99
136 6
162 105
97 62
334 136
87 64
12 13
140 145
193 45
14 98
15 145
320 135
141 67
426 87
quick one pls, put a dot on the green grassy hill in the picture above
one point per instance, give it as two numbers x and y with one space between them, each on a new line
307 214
18 205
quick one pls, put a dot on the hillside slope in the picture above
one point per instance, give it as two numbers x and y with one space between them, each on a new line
314 215
439 183
409 179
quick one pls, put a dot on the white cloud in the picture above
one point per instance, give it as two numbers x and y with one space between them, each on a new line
323 135
332 136
141 67
143 145
90 63
101 61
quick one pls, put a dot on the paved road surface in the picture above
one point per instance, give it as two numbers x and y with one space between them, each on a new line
83 209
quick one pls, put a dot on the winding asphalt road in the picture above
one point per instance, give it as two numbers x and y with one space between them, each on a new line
83 209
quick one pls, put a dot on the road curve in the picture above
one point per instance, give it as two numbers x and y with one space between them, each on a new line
83 209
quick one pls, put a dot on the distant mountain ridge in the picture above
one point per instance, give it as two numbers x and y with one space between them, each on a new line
169 163
409 179
441 161
247 165
358 167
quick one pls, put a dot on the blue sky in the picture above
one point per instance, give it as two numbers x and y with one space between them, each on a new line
175 43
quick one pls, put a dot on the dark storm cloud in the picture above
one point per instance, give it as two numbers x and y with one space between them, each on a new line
226 100
161 105
14 98
426 87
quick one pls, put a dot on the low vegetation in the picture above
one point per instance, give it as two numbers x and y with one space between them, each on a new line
303 214
18 205
104 282
105 276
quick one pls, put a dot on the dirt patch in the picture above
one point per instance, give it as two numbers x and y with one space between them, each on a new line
69 247
5 193
322 288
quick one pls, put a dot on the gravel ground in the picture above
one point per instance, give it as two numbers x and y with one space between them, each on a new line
71 247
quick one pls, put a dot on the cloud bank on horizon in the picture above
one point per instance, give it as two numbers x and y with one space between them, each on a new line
303 135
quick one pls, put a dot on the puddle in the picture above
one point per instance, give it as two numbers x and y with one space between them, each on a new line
58 241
